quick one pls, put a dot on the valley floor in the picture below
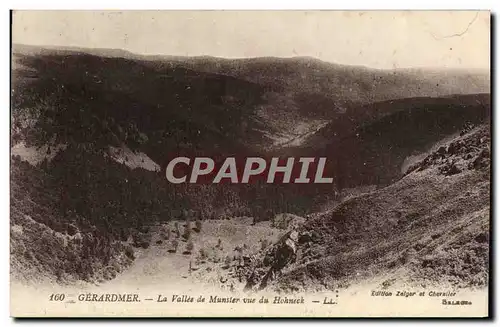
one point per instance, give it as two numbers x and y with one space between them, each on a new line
426 233
157 273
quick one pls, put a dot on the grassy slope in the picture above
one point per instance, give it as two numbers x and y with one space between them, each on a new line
395 231
426 227
158 267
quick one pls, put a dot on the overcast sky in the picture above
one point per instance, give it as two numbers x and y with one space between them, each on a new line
374 39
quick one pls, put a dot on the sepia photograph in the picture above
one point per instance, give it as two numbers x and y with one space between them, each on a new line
210 163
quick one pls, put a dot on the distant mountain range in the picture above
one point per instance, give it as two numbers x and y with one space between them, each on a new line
265 99
366 121
103 123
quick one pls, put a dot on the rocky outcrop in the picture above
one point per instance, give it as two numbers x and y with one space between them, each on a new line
471 151
270 263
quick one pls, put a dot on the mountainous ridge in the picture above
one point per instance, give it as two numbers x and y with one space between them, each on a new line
441 238
79 104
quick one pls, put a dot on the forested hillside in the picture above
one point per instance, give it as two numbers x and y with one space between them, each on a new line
75 107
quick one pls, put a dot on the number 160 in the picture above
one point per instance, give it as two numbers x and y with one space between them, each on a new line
56 297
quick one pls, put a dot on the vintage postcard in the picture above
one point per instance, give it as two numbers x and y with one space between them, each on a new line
250 164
